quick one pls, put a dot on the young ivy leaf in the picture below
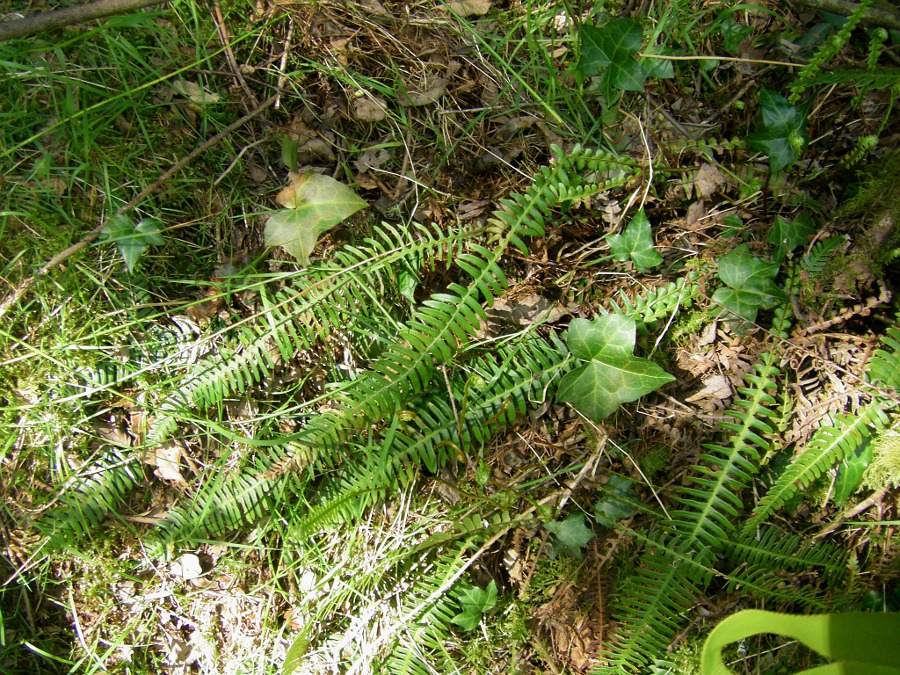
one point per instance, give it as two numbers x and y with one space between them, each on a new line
612 374
607 511
314 204
786 235
750 283
784 133
572 535
132 239
475 602
610 47
636 244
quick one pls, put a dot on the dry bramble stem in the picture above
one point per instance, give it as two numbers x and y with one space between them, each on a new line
59 18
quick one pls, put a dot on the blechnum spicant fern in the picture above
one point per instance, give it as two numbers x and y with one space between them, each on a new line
395 400
705 537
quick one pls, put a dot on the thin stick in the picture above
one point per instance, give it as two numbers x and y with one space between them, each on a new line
229 55
59 18
89 238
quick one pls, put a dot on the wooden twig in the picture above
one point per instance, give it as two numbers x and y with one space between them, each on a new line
23 286
874 16
222 29
60 18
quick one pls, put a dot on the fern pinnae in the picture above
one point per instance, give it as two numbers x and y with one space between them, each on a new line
829 445
884 365
668 579
328 297
433 335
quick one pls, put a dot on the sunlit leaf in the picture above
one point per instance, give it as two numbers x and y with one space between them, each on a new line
635 244
611 47
612 374
475 602
315 203
132 239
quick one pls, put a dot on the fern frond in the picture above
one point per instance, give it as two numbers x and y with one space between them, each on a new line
880 78
771 547
437 331
765 584
884 365
668 579
712 498
815 260
93 495
658 303
829 445
325 299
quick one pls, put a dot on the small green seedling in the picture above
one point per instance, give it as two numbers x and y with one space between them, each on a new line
570 536
635 244
131 238
783 134
749 283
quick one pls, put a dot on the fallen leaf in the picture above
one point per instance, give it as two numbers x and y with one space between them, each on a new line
368 109
187 567
197 93
167 458
372 158
423 96
715 387
314 204
708 180
469 7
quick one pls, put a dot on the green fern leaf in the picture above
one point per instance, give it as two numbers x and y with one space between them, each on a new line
829 445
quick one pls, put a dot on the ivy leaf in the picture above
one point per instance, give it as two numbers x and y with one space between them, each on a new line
572 535
750 283
636 244
733 33
314 204
610 47
784 133
607 511
786 235
612 374
132 239
661 68
475 602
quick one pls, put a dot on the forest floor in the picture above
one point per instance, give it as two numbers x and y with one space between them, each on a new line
748 233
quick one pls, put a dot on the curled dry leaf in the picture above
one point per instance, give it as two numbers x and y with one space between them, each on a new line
187 567
197 93
466 8
167 458
430 92
708 181
367 109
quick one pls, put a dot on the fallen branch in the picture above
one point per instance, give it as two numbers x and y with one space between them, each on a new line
23 286
59 18
874 16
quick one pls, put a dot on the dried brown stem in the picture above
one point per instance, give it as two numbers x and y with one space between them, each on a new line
874 16
60 18
23 286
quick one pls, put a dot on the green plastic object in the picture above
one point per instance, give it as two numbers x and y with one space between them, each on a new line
859 643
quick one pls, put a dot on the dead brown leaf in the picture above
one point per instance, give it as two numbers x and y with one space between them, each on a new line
428 93
469 7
